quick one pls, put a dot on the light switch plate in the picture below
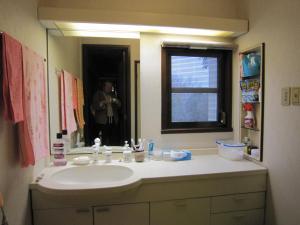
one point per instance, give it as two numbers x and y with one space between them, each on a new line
295 95
285 96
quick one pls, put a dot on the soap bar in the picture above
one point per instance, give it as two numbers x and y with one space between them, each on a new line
81 160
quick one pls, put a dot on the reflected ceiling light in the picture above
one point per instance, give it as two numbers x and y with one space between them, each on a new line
95 27
183 41
104 34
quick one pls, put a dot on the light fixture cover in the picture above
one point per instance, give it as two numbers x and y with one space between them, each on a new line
131 31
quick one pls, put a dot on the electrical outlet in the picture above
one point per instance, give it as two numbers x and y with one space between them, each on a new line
285 96
295 95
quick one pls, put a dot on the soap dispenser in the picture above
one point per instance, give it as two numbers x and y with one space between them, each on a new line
127 153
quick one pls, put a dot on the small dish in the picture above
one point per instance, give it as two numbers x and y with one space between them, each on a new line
81 160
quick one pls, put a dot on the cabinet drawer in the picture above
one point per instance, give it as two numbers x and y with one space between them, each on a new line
229 203
68 216
179 212
250 217
127 214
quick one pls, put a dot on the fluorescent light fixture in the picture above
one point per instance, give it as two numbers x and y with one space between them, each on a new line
196 44
184 40
104 34
95 27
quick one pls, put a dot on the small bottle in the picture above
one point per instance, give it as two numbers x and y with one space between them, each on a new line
96 149
150 148
78 140
249 120
247 143
107 156
127 156
59 152
66 140
127 153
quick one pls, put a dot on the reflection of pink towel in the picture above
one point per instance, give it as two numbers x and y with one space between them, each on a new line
12 79
33 132
68 118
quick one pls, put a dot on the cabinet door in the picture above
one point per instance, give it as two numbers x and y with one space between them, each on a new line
78 216
128 214
178 212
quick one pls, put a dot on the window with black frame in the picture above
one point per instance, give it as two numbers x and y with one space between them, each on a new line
196 90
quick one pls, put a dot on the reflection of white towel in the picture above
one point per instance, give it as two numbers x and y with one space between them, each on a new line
109 108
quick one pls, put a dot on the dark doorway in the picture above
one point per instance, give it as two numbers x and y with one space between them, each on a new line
106 63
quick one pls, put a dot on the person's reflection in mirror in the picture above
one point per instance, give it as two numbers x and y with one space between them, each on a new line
104 108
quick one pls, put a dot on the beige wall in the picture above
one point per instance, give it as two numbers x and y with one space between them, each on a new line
151 97
63 53
276 22
211 8
18 18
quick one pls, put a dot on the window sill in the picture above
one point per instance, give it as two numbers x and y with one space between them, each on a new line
196 130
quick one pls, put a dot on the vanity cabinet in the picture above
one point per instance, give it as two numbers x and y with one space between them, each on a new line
178 212
125 214
213 199
64 216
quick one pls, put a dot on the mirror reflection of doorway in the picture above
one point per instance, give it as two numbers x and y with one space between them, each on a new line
106 84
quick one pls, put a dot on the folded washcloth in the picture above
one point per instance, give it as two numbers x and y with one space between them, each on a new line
181 155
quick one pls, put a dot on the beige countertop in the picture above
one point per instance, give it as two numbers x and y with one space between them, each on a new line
200 167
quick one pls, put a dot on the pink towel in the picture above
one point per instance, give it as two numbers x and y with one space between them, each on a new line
68 118
12 79
33 131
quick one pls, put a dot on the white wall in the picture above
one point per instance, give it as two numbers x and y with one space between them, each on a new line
63 53
276 22
151 97
18 18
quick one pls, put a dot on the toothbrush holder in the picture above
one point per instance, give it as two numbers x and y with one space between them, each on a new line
139 156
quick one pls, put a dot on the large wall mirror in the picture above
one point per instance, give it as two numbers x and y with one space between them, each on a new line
93 89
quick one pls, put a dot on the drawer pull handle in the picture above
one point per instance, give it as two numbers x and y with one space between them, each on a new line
239 216
240 198
82 210
100 210
180 204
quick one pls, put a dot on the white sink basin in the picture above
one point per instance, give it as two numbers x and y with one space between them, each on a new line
91 175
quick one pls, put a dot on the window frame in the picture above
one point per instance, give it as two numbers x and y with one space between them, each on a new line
224 92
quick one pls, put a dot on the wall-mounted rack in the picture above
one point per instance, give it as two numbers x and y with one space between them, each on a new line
252 85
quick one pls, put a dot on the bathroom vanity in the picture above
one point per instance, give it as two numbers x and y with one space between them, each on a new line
207 190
